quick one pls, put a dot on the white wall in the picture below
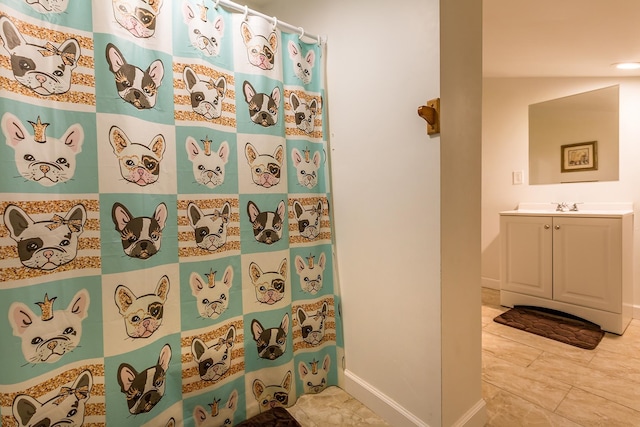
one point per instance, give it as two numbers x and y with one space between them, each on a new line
505 149
383 62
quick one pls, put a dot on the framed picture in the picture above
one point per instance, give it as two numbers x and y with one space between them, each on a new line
580 157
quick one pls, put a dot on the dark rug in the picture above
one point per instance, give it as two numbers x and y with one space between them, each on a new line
275 417
553 324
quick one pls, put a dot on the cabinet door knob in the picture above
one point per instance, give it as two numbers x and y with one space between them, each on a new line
557 227
547 226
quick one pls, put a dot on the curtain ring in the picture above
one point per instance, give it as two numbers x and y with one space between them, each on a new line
216 5
301 33
246 13
319 40
275 23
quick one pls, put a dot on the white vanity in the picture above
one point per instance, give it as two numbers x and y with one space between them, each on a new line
579 262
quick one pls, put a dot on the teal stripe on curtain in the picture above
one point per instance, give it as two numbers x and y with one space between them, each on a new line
166 236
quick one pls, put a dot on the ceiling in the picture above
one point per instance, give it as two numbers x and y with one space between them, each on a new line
545 38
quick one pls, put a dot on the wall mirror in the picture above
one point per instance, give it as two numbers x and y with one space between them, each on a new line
575 138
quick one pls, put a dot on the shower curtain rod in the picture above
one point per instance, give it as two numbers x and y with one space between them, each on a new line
246 10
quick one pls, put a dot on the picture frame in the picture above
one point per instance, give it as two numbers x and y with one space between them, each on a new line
579 157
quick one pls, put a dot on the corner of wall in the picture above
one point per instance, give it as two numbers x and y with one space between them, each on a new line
476 416
378 402
460 165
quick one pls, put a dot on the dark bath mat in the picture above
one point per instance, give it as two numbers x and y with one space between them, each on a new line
553 324
275 417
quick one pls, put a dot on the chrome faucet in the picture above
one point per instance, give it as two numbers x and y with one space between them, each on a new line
564 207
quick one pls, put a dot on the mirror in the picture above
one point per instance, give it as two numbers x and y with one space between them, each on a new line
575 138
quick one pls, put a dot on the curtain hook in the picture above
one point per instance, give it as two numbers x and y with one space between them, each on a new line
319 40
301 33
246 13
275 23
215 6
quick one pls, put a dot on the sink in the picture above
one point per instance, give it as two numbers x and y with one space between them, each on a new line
590 209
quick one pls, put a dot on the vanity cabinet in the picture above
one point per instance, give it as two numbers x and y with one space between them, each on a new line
575 263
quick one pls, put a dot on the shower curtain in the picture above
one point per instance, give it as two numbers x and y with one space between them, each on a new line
166 236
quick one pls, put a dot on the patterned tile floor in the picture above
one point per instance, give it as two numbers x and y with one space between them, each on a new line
333 408
533 381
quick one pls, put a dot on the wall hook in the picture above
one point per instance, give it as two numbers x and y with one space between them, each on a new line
431 113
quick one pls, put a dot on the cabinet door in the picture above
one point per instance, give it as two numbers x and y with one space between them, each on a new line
526 255
587 262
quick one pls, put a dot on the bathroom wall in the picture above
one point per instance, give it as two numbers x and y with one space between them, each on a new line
384 62
505 149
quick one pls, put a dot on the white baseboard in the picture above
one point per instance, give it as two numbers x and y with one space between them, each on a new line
475 416
487 282
396 415
381 404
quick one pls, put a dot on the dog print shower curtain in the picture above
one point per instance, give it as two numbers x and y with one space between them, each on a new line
165 219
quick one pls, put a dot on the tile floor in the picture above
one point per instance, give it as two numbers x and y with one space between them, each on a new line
333 407
528 380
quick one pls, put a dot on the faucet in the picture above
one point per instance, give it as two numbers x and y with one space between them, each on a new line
564 207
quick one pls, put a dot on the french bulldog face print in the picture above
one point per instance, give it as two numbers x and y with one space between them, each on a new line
67 408
265 168
306 167
135 86
48 244
314 378
206 95
210 230
267 226
141 236
48 337
142 315
137 16
212 297
218 415
271 396
203 34
263 108
144 390
49 6
312 325
302 65
213 362
208 167
308 219
139 163
270 286
261 50
47 161
304 113
46 70
272 342
310 273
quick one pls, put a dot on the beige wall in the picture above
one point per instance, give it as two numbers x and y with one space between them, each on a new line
384 62
505 149
461 83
